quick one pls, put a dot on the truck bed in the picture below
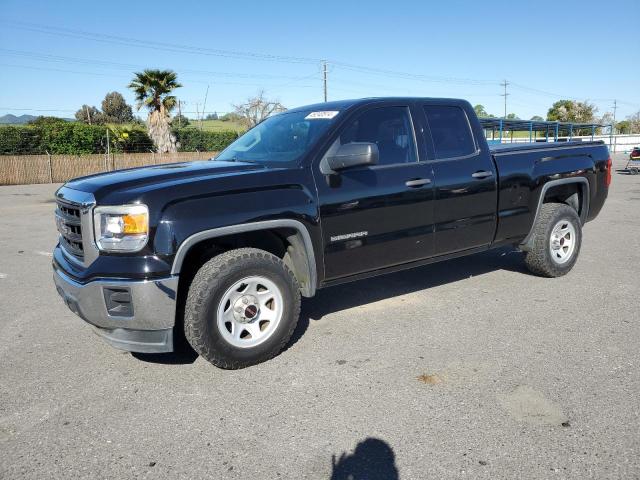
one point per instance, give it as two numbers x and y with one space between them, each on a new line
503 148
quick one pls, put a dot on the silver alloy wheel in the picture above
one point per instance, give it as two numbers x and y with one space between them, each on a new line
562 242
250 311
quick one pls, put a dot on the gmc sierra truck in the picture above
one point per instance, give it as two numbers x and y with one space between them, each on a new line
219 252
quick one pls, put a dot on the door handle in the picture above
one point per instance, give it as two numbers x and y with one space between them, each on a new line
417 182
482 174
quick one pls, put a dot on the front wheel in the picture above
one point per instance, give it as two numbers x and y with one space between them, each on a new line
557 237
242 307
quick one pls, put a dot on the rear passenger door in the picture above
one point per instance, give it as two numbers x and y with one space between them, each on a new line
381 215
465 181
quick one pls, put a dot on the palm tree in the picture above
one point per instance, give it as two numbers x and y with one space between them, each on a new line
152 89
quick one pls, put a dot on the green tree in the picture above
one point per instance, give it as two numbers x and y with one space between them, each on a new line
513 116
89 115
211 116
623 127
231 117
44 121
572 111
537 118
115 109
481 112
634 122
180 121
153 89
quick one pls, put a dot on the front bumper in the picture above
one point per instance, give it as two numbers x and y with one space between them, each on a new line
149 327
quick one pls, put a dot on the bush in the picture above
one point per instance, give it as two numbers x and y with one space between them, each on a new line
180 121
75 138
52 137
192 139
129 139
70 138
231 117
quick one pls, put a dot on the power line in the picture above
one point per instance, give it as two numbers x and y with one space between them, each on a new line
33 67
134 42
127 66
180 48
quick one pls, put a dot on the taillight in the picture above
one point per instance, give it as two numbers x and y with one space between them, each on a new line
607 178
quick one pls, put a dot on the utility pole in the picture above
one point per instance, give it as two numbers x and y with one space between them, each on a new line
505 95
179 113
615 107
88 113
324 79
204 106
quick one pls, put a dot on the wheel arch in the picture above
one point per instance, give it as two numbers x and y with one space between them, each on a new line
297 247
549 192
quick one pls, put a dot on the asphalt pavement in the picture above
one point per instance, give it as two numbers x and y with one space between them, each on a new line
471 368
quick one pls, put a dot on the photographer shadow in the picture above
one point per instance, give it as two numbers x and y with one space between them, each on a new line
372 459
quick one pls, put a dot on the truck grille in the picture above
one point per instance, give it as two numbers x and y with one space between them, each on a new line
69 223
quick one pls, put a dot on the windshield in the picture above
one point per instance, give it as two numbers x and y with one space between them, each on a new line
280 139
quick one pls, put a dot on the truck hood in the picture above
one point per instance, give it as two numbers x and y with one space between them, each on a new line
158 176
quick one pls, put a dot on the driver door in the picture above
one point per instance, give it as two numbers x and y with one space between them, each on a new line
378 216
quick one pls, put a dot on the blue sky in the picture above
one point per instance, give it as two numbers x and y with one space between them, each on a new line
546 50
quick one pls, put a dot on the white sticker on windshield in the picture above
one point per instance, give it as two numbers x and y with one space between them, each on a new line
326 115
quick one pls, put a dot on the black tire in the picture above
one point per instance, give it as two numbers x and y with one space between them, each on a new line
209 285
539 259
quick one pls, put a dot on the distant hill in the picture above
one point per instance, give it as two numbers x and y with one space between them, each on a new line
10 119
15 120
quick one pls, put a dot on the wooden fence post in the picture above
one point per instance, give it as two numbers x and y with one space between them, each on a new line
50 169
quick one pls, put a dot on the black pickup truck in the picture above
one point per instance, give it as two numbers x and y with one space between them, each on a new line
219 252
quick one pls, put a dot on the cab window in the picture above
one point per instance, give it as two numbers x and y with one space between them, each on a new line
450 131
389 128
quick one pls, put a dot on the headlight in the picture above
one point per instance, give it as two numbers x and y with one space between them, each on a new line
121 229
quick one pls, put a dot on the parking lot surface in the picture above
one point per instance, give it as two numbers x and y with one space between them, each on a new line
468 368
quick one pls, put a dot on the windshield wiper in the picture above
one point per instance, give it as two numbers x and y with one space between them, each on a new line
236 159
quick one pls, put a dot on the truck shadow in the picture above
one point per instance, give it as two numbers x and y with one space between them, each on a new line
362 292
186 355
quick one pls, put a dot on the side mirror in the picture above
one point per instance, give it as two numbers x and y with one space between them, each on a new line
353 155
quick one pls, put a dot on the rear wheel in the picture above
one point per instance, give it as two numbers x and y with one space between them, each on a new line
557 237
242 308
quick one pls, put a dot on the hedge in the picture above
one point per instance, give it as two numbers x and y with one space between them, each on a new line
192 139
75 138
55 138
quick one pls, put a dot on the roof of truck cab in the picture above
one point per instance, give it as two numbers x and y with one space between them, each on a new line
340 105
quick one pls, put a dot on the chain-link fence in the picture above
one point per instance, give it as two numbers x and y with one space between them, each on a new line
25 169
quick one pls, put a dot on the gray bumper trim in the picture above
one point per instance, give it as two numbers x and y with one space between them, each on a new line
154 307
143 341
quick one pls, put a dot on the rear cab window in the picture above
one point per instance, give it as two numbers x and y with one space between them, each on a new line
450 131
